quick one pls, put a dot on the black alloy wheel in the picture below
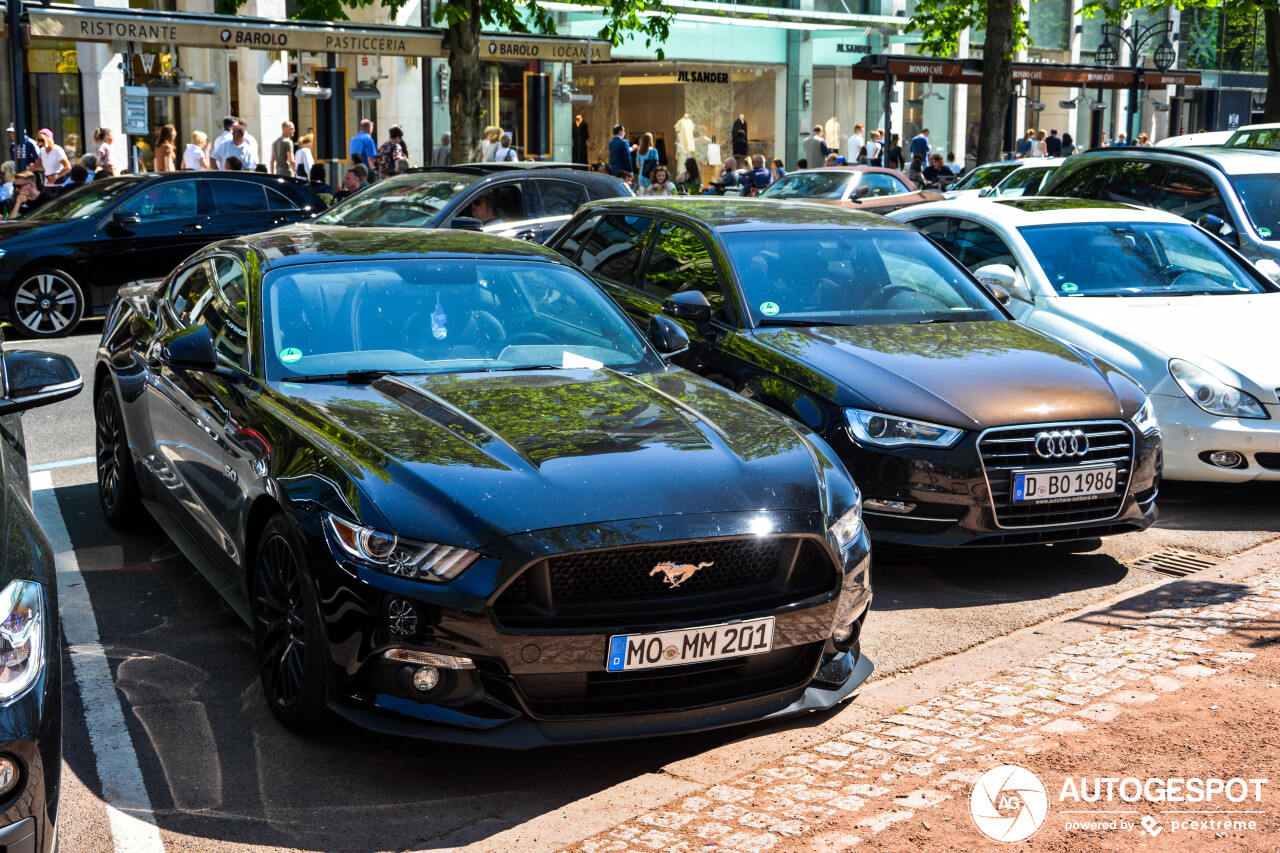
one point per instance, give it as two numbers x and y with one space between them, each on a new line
286 629
117 487
47 303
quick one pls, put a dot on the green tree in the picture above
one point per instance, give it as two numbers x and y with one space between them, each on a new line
940 23
464 19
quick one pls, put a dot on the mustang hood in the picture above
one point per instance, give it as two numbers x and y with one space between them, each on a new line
1228 335
480 456
971 375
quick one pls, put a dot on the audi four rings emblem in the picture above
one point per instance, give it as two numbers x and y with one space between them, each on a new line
1061 444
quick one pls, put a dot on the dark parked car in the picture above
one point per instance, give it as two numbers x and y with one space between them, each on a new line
31 664
499 198
1231 192
457 495
961 426
67 258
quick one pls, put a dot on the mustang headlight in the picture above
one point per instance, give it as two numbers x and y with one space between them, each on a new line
21 638
405 558
1212 394
1145 418
884 430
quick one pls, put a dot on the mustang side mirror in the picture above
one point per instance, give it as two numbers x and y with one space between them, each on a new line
986 191
1219 226
666 336
34 379
466 223
1269 268
1003 282
688 305
126 220
190 349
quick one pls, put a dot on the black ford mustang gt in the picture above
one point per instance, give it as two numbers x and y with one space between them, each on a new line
459 495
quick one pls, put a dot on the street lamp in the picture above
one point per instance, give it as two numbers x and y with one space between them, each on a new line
1137 38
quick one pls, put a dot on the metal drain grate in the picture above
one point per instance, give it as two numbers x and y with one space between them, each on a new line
1175 562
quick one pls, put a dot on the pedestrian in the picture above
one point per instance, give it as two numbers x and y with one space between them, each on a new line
90 163
728 177
53 160
492 134
952 166
195 157
503 153
1122 141
856 142
934 172
915 173
318 181
776 169
27 196
71 144
283 162
646 160
402 165
29 150
815 147
874 145
237 146
660 184
619 151
442 154
802 164
1023 148
1068 145
894 154
228 122
1053 145
304 156
1143 141
920 145
78 176
757 177
362 143
739 145
581 133
626 178
233 164
355 179
384 163
832 159
166 153
689 182
1038 146
7 171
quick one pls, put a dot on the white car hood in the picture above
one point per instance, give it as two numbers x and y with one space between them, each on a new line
1231 336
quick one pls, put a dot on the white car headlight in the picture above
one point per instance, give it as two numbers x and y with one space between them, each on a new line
884 430
21 638
847 526
1212 394
1145 418
405 558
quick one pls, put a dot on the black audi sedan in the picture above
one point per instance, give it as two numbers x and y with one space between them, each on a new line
458 495
961 426
30 642
66 258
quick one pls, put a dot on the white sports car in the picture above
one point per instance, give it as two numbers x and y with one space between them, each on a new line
1006 179
1188 317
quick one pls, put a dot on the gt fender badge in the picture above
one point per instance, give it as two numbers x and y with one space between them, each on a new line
675 575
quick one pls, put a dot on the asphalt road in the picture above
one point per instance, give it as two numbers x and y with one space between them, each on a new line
220 774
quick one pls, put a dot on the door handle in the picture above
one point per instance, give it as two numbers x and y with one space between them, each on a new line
190 229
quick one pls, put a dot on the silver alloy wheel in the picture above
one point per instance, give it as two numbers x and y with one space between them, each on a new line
46 304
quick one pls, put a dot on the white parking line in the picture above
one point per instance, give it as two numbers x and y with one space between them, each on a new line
133 826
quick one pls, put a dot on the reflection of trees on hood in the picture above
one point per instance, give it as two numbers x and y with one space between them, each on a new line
931 340
404 436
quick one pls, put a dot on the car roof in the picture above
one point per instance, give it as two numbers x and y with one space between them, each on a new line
310 244
847 167
512 171
720 213
1271 126
1040 161
490 168
1043 210
1231 161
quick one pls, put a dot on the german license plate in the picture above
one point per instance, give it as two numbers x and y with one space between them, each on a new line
1064 484
694 645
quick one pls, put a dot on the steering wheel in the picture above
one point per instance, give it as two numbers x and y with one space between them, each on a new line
529 339
880 299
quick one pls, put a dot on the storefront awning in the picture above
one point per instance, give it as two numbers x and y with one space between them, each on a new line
81 23
910 69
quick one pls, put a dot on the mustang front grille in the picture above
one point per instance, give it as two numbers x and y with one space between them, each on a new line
1008 449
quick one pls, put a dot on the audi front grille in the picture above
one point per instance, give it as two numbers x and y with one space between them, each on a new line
1008 449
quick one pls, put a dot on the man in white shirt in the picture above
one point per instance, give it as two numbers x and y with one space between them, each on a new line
227 124
236 146
855 143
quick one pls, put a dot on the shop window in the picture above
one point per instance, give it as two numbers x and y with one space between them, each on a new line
614 249
680 261
238 197
170 201
1187 193
561 198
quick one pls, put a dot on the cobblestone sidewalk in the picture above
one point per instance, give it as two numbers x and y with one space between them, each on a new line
838 795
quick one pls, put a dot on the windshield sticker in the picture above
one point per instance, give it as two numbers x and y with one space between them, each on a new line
290 354
769 308
1264 233
572 359
438 321
1069 287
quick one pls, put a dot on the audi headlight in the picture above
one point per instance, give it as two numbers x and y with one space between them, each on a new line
1145 418
884 430
21 638
394 555
1212 394
846 527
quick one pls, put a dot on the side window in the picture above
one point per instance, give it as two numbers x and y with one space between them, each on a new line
190 292
277 201
561 198
881 184
614 249
935 228
977 245
1190 194
238 197
1079 182
679 261
506 201
572 244
175 200
1023 182
1132 182
225 315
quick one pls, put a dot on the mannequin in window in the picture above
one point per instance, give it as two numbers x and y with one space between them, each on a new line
685 143
740 124
832 132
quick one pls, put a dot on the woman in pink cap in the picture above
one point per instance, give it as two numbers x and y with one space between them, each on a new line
52 158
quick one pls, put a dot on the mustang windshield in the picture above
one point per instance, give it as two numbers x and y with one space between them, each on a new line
810 185
441 316
852 277
1261 197
410 200
1135 259
987 176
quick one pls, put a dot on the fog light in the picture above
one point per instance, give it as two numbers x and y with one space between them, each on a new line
876 505
426 678
842 634
8 775
1225 459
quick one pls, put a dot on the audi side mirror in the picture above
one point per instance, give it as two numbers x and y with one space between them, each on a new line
666 336
34 379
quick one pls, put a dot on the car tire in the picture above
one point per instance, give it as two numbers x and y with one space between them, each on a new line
287 634
46 303
118 492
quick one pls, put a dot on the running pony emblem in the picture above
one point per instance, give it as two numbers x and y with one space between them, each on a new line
676 575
